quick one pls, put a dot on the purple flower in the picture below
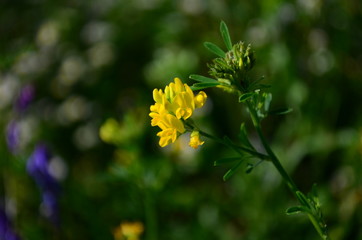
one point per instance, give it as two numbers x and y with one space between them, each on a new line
6 231
25 97
38 168
13 136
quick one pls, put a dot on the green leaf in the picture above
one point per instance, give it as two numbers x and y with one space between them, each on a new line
232 171
202 79
303 199
249 168
226 161
243 137
267 100
199 86
246 96
296 210
280 111
225 35
214 49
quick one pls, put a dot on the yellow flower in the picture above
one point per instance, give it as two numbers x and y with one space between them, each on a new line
200 99
195 140
172 106
170 127
128 231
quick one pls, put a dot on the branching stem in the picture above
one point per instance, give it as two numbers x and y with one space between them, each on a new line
287 179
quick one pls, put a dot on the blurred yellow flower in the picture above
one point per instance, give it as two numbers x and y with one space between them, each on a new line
195 140
172 107
123 132
128 231
109 131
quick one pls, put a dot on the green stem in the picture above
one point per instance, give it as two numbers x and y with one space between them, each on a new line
273 158
237 148
290 183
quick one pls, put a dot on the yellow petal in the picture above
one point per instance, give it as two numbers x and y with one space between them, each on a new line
175 123
178 87
157 95
200 99
195 140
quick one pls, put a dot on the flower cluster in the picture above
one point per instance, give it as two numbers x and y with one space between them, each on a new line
231 69
173 106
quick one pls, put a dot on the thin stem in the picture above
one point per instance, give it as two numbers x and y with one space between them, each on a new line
290 183
273 158
234 146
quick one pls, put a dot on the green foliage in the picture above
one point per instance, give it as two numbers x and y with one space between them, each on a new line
199 86
231 171
225 35
243 137
245 97
202 79
214 49
296 210
94 60
280 111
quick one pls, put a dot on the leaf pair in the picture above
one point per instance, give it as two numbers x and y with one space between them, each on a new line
227 40
204 82
246 150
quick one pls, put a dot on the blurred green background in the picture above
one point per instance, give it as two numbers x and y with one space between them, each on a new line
94 60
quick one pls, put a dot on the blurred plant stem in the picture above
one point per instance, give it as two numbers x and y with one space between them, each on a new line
150 214
239 149
311 210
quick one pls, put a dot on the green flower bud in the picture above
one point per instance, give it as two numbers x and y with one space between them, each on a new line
234 66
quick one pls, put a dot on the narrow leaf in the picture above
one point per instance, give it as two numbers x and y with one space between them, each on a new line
225 35
243 137
202 79
267 100
199 86
245 97
232 171
249 168
226 161
303 199
214 49
295 210
280 111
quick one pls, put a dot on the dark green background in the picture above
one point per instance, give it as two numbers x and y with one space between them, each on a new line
91 60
